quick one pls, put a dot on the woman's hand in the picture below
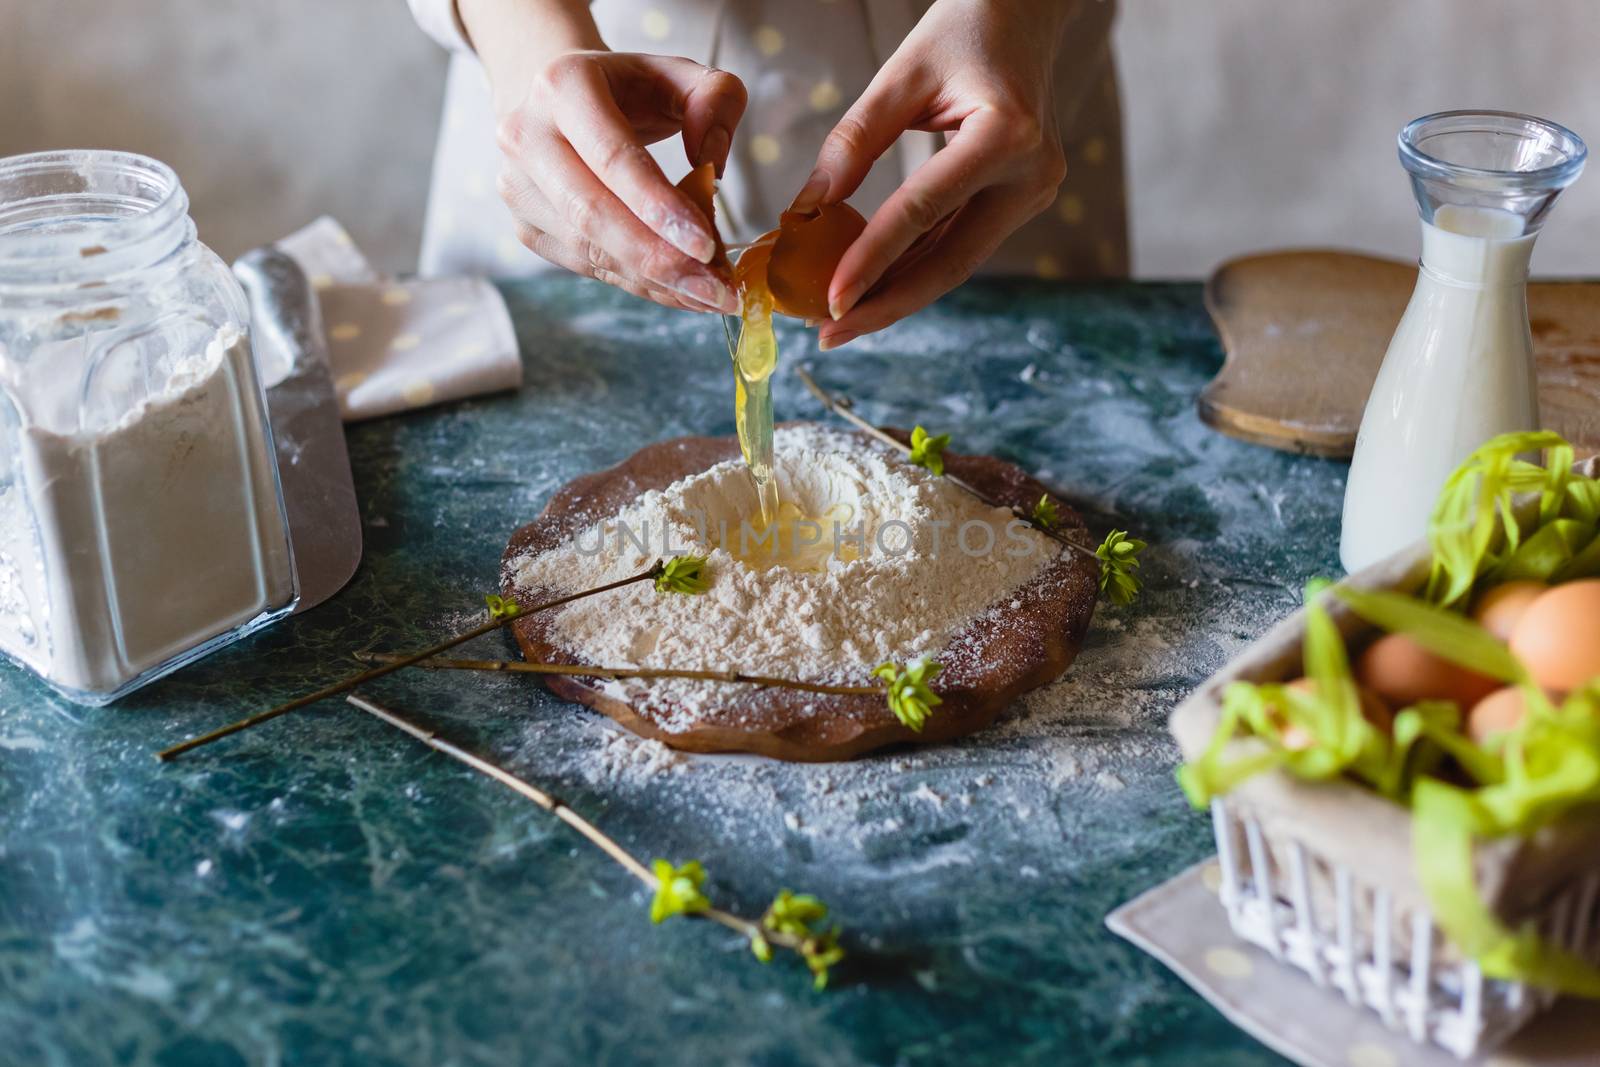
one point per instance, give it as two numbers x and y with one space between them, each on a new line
979 71
573 122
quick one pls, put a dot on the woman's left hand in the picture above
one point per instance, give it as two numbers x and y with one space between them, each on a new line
980 72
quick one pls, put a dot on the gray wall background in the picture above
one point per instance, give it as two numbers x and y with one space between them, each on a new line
1250 123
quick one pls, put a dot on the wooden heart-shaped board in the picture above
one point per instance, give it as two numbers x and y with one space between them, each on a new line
993 659
1305 331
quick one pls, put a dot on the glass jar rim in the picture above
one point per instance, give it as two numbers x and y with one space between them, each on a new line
76 214
1556 175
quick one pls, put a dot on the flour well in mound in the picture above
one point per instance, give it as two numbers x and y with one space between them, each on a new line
874 560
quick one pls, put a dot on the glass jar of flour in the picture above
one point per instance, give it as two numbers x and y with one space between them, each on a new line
141 520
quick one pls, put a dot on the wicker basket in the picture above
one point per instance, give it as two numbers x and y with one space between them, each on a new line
1319 874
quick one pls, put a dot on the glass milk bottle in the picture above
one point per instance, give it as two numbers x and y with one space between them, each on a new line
1459 369
141 520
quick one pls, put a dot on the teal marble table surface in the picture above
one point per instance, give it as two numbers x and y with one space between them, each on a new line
325 890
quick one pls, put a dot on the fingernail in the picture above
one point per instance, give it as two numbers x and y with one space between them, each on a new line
710 292
689 239
837 340
691 304
838 309
714 148
812 192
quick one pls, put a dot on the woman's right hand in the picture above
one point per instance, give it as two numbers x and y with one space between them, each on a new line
573 128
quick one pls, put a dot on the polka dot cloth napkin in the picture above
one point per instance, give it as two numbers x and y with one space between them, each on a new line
397 345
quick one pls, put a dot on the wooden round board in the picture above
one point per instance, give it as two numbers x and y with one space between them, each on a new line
1304 333
994 659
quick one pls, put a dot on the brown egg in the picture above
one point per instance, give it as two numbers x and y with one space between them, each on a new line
1500 606
700 186
1558 636
750 273
1373 709
1496 713
805 255
1402 672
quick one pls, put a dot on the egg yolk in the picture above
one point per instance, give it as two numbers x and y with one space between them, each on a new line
787 271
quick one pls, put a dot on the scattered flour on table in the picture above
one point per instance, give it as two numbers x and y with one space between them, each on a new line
1076 762
627 760
905 560
1073 752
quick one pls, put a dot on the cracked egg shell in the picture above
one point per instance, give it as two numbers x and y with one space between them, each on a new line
805 255
700 186
750 273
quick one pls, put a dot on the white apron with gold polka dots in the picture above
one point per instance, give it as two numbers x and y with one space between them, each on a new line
804 62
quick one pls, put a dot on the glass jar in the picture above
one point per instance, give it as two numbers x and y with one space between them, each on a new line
141 520
1459 369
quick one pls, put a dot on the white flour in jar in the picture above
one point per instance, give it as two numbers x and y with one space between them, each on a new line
126 545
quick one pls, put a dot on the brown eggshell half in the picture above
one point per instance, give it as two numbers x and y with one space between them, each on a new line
700 186
806 254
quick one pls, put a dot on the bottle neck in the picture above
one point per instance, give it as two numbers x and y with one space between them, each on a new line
80 218
1477 247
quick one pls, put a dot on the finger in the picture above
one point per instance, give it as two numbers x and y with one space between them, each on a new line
703 103
542 229
885 110
978 154
712 107
570 257
590 118
594 213
973 236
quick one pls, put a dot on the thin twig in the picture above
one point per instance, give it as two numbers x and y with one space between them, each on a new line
842 407
557 807
582 671
389 668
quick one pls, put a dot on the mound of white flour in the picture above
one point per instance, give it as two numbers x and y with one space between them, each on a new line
874 559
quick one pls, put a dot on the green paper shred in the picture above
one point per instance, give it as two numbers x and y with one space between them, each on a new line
1472 530
1447 820
1546 552
1316 733
1444 633
1584 564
